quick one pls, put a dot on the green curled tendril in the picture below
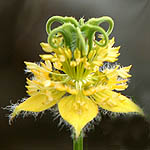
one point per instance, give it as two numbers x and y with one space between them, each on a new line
89 31
80 34
98 21
61 20
65 30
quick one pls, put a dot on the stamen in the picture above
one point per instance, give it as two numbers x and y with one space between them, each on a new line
73 63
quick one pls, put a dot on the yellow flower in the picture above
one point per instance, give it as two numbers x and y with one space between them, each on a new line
75 78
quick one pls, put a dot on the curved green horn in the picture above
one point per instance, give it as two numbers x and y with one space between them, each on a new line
89 31
98 21
66 31
61 20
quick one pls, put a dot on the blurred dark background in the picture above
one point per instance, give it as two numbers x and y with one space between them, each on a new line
22 28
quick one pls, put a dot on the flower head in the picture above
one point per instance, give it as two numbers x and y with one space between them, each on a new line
74 76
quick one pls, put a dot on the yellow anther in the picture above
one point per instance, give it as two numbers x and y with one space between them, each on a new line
62 58
73 63
87 65
77 54
84 59
46 57
68 53
60 51
46 47
91 54
79 60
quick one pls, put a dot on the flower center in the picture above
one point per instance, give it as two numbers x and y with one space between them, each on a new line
76 54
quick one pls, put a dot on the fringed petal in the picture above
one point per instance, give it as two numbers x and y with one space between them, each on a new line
77 111
108 53
112 52
115 102
117 77
36 103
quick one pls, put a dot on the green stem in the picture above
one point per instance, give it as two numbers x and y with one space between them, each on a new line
78 142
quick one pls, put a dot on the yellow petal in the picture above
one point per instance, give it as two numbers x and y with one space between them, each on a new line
115 102
77 111
36 103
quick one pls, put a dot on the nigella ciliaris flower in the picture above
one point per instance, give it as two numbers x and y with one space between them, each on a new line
73 74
